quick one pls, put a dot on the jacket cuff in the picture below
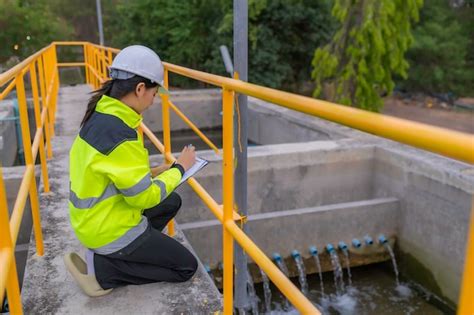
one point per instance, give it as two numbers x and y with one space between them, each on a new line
179 167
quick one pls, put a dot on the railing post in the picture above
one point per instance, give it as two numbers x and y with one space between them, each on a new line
55 86
43 88
86 61
99 64
109 55
466 302
39 125
91 62
12 286
25 133
48 76
94 66
104 64
165 110
228 196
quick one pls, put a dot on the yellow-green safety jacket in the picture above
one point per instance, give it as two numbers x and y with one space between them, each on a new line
110 179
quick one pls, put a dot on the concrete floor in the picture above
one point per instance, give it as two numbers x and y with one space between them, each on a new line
49 289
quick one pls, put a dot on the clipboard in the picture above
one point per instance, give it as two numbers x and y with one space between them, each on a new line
199 165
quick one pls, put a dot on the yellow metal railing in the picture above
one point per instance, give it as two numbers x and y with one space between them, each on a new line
42 70
96 60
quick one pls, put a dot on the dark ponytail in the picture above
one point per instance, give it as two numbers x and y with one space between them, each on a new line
97 94
114 88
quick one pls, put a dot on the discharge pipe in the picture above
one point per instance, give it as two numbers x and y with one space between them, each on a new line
382 239
342 246
295 254
356 243
330 248
368 240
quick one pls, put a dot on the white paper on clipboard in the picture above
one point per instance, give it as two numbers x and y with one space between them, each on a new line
199 165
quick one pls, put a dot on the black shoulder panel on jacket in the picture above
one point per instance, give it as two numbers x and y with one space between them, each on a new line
105 132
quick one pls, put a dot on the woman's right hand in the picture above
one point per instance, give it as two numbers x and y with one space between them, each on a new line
187 158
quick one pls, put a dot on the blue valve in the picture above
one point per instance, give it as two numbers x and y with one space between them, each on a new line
276 257
356 243
295 254
368 240
330 248
382 239
313 250
342 245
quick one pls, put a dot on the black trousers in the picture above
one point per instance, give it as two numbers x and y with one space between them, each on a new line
152 257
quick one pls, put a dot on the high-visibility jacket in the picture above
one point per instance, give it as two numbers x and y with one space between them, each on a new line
110 179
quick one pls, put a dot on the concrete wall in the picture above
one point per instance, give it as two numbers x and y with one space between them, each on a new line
203 107
268 124
271 124
290 176
435 204
284 231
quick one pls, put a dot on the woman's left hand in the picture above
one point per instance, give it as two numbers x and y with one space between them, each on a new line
155 171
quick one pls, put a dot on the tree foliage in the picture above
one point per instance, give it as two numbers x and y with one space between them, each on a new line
27 27
282 34
358 65
181 31
439 60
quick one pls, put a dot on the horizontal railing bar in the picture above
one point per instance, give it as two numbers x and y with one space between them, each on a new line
114 50
13 72
200 191
7 89
94 72
72 43
450 143
19 207
287 287
194 128
71 64
38 134
50 89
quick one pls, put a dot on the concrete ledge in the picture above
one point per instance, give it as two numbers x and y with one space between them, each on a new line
202 106
301 228
289 176
49 289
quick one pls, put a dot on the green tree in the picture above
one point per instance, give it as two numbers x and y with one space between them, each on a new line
358 65
439 56
27 27
181 31
282 36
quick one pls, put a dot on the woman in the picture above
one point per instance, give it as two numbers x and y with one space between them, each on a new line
118 205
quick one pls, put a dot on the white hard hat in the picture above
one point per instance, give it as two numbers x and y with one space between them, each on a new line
137 60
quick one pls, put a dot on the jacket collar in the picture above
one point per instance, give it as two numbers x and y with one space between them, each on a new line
112 106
